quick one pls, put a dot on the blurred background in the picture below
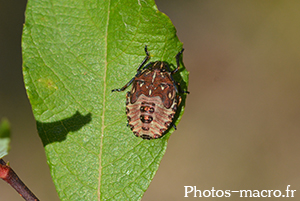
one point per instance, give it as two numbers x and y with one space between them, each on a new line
241 127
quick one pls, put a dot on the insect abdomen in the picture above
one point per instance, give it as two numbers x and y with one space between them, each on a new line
148 118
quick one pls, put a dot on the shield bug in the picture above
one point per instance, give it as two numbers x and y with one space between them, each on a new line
154 98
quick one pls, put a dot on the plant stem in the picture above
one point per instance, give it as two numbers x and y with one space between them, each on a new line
8 175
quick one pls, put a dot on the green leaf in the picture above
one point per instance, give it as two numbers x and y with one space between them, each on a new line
75 53
4 137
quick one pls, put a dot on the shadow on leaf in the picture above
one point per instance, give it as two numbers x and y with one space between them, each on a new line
57 131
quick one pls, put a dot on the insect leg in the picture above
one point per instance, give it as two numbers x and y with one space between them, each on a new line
124 87
180 90
138 71
177 61
175 84
145 60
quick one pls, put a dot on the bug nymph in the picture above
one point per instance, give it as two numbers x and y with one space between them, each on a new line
154 98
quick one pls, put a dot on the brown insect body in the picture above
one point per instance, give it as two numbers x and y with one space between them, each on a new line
152 102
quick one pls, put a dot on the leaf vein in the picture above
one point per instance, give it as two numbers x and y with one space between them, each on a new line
103 104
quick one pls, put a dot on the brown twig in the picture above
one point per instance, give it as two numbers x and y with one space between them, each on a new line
8 175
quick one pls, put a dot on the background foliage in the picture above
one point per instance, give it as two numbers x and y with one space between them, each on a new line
4 137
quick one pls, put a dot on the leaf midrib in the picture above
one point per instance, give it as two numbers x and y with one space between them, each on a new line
103 103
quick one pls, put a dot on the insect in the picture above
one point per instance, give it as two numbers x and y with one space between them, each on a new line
154 98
